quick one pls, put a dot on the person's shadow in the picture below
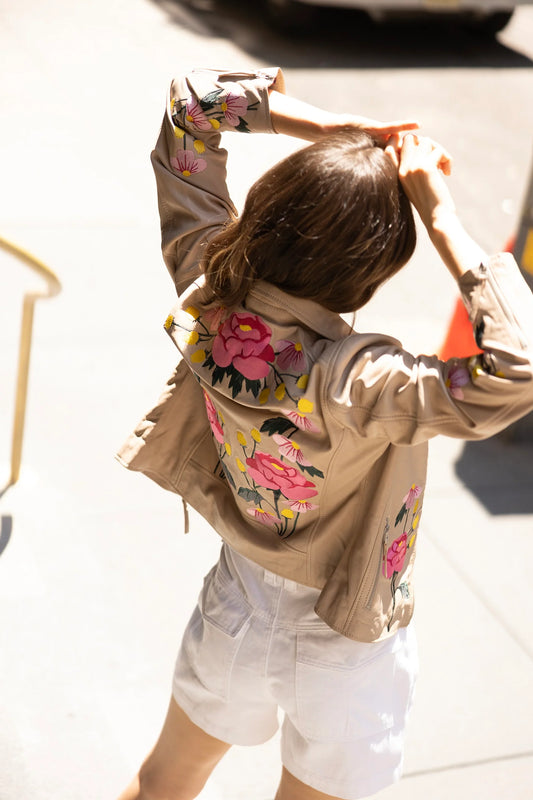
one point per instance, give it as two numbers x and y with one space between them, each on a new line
499 471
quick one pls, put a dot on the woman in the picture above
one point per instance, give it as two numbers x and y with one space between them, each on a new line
310 457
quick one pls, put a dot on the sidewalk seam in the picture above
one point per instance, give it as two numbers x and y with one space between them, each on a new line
468 764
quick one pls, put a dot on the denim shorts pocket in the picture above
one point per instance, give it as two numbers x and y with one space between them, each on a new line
215 633
347 690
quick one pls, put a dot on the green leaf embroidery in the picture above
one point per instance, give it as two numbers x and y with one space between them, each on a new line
401 514
228 474
253 386
250 495
276 425
313 471
242 127
210 100
236 381
404 589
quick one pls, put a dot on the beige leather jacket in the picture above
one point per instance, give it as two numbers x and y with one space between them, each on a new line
302 442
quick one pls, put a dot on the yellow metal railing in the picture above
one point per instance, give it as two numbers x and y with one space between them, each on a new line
53 287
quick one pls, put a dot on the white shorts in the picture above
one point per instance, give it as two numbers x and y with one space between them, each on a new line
254 644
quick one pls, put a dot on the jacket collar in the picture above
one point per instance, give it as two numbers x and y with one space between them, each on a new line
289 309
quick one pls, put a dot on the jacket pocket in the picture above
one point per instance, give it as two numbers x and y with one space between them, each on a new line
214 634
347 690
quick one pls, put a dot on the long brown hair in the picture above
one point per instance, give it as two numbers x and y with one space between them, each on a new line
329 223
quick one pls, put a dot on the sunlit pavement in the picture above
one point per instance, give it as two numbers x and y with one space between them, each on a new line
96 578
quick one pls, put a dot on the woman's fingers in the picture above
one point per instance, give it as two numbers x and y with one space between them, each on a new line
399 125
422 153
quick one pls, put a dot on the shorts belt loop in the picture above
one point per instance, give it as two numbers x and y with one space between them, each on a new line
271 578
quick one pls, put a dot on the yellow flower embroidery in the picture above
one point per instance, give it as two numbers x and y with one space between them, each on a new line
192 312
256 436
199 146
302 382
227 447
198 357
179 133
215 123
240 465
280 391
287 513
241 438
192 338
168 322
305 406
264 395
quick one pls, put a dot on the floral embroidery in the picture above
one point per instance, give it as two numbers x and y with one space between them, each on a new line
212 416
265 517
236 350
243 341
302 506
195 115
300 421
186 163
458 376
290 450
204 114
394 554
291 355
272 473
234 108
469 370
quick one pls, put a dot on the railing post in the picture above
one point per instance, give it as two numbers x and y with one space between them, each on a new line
53 287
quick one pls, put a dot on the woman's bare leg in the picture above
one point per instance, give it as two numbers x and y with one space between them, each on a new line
290 788
179 764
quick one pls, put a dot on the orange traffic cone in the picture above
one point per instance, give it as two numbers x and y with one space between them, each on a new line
460 341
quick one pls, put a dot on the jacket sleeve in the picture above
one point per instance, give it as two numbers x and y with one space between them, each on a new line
190 165
386 392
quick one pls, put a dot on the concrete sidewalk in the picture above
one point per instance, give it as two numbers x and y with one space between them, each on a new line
96 579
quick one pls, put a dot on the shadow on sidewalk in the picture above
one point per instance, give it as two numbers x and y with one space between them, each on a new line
499 472
6 529
343 37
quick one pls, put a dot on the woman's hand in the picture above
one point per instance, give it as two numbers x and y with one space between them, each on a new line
421 165
382 132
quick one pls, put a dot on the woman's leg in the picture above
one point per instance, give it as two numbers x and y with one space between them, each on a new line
179 764
290 788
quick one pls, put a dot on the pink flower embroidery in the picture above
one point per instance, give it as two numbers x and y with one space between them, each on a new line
301 421
273 474
395 556
458 376
411 496
234 107
243 341
301 506
186 163
291 355
214 316
212 416
265 517
196 116
290 450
